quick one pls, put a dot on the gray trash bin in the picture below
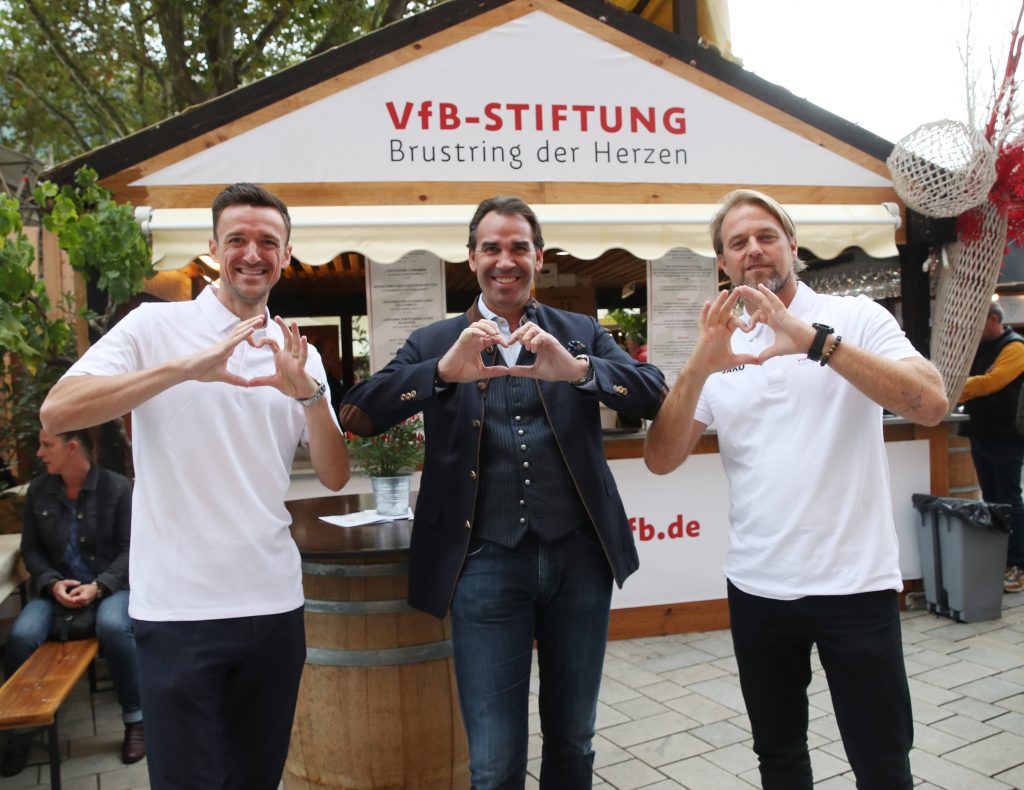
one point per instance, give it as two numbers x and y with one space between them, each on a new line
963 556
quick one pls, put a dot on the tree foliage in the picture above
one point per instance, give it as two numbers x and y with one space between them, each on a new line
77 74
101 237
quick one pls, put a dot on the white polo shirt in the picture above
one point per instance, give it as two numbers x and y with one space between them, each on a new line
210 535
810 507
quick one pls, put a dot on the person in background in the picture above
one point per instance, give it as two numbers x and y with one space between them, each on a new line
76 532
796 387
520 530
636 347
221 396
992 397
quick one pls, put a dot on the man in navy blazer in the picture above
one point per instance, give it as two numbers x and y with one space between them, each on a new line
519 527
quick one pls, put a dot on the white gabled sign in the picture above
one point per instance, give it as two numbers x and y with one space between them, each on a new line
534 99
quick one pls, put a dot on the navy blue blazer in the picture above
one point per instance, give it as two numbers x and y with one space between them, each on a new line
453 420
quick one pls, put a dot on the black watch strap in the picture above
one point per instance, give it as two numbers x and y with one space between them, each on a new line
822 331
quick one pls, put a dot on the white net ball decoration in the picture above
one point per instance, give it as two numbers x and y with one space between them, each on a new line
943 168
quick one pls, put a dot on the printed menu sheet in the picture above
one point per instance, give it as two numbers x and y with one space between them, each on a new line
678 284
400 297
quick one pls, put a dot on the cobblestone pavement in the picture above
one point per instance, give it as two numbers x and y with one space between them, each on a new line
671 716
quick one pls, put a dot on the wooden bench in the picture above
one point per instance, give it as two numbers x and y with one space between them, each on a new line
32 696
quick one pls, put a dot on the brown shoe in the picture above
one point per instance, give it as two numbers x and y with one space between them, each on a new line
134 747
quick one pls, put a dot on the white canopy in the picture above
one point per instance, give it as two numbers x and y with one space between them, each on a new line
386 233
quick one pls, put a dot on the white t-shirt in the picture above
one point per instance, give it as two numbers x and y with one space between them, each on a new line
810 507
210 535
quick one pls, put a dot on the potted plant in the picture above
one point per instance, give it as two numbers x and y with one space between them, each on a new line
389 459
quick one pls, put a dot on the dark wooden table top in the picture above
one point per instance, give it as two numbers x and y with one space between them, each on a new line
317 539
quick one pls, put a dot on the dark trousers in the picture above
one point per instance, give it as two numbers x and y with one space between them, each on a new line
861 651
219 697
559 594
998 464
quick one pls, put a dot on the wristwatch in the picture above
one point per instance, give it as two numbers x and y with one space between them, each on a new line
321 388
586 377
822 331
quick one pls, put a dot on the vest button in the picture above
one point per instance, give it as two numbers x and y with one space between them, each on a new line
472 475
526 464
468 525
526 482
481 385
476 424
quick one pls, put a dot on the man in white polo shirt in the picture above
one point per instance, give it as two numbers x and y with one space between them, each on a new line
796 387
221 397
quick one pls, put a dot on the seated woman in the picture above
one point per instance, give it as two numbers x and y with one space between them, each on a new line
76 529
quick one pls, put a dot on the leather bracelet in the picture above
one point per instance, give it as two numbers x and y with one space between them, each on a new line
321 388
828 354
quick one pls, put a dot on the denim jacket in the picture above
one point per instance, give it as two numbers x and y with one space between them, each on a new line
104 510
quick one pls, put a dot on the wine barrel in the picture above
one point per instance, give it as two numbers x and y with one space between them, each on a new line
378 706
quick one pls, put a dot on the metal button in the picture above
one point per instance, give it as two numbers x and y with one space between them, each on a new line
472 475
481 385
522 447
526 482
526 464
522 521
520 431
518 418
468 525
476 423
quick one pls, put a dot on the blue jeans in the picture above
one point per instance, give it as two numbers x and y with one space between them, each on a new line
861 651
117 640
558 594
998 464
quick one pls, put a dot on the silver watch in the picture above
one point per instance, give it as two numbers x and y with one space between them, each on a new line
321 388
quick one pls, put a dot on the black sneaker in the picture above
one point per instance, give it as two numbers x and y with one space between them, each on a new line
14 759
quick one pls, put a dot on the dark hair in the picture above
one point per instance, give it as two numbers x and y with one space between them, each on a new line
246 194
507 207
996 309
86 438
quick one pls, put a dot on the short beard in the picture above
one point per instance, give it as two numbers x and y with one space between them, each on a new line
774 283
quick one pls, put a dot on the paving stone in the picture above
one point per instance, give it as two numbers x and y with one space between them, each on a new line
608 716
613 691
824 765
695 674
968 729
640 707
990 689
737 758
724 691
991 756
685 656
607 753
948 775
934 741
126 777
954 675
665 784
634 732
975 709
719 734
671 748
931 692
630 775
665 691
696 772
700 708
1009 722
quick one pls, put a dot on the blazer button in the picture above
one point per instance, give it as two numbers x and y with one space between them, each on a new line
481 385
468 525
472 475
476 424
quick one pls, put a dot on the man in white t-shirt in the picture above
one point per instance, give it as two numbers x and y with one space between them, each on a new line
796 387
221 396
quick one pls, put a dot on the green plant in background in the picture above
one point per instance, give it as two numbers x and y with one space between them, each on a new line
631 322
106 246
103 241
35 348
396 451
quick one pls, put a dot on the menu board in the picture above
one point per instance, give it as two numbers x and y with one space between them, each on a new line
678 284
400 297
